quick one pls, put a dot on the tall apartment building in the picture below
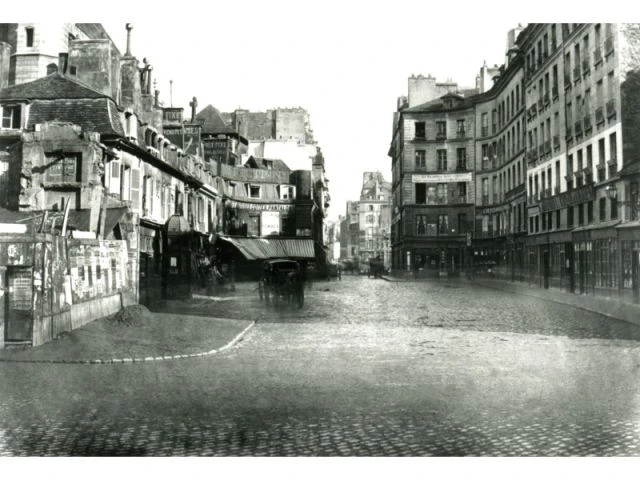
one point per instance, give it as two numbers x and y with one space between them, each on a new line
500 170
582 155
557 127
432 186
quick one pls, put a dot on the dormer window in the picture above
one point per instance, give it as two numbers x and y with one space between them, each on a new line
11 116
254 191
287 192
268 164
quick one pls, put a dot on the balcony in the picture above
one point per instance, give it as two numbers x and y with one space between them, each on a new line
547 147
602 170
597 56
611 108
540 104
569 132
460 134
556 142
541 150
576 73
577 128
585 66
567 80
419 137
532 112
441 136
554 92
608 46
545 99
587 123
599 115
484 131
461 167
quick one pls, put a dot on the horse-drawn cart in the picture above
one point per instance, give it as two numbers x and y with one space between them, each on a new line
281 282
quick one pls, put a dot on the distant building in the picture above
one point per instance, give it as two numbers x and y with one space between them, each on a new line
366 228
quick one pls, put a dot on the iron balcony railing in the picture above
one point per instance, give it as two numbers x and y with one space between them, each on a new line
585 65
597 56
611 108
599 115
608 46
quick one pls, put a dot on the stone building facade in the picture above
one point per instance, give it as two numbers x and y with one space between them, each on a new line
557 127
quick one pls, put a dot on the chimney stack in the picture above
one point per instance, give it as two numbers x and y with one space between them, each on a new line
193 104
62 62
129 27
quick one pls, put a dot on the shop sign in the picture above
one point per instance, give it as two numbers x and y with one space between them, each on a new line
285 207
442 178
269 223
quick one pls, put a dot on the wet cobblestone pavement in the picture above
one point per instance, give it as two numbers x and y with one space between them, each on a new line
366 368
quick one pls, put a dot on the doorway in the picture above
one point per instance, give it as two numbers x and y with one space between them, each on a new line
19 304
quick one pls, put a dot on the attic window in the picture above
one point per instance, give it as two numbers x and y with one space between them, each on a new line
11 116
254 191
29 35
268 164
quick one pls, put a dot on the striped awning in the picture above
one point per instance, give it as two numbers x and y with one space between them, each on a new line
265 248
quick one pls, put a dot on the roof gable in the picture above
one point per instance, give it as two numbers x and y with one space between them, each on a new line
54 86
212 122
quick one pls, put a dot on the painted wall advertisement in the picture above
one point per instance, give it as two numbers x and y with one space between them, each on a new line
269 223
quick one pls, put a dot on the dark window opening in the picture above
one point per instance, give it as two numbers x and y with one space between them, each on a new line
29 34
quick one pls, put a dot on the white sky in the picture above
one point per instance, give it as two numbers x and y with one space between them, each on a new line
345 62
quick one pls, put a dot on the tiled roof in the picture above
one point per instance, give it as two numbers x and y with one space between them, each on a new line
438 105
52 86
93 115
212 121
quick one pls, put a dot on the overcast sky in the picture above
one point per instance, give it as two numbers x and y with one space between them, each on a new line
344 62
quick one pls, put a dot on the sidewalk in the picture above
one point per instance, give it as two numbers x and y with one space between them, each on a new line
612 308
138 335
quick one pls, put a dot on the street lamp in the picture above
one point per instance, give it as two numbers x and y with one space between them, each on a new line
634 203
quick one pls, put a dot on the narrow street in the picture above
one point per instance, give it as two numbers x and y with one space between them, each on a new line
365 368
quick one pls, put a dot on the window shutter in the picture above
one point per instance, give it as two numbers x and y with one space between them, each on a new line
135 188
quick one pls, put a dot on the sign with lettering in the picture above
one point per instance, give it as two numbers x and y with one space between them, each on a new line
269 223
281 207
214 149
172 115
174 135
568 199
442 178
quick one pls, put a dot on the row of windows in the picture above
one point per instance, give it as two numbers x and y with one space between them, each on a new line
438 194
285 192
441 159
501 115
502 183
441 129
429 225
581 170
575 215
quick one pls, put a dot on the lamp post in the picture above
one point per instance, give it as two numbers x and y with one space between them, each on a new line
612 193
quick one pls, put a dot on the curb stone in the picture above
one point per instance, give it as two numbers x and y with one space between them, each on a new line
114 361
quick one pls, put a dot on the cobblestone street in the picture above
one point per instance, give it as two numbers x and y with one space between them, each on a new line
366 368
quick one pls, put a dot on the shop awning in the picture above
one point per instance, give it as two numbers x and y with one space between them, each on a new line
264 248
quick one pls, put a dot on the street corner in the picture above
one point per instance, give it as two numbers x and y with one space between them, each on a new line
133 335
